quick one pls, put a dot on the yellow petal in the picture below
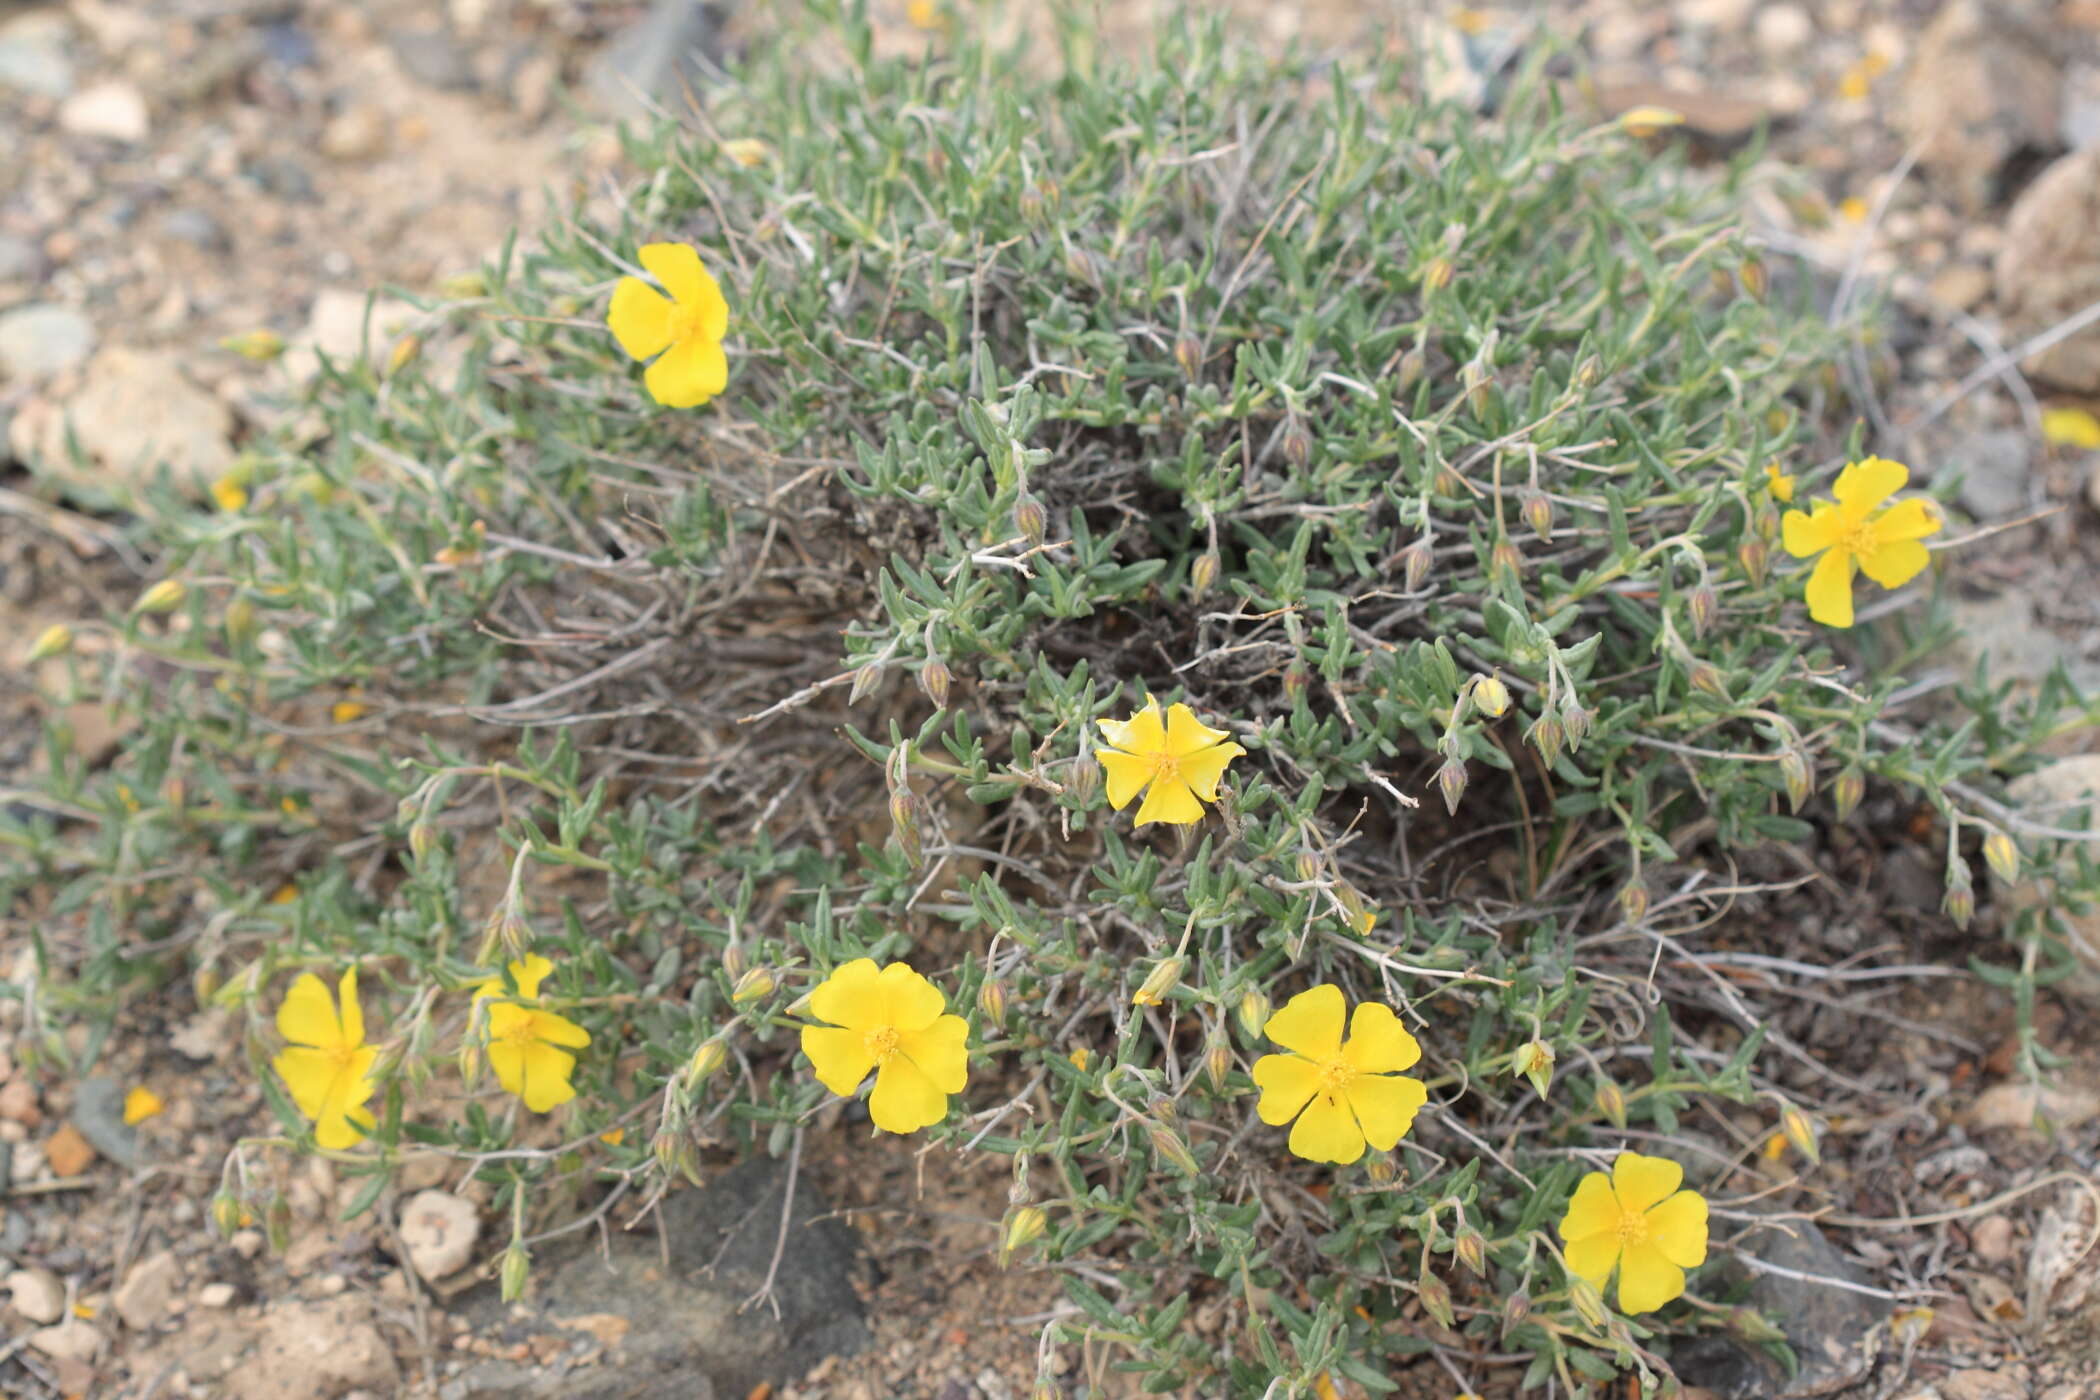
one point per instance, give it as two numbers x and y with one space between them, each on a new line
909 1001
1829 590
340 1131
840 1057
1127 774
1591 1257
1913 519
639 318
1385 1106
1896 563
1186 734
140 1104
1286 1082
688 374
546 1072
1804 534
307 1075
1327 1132
1310 1023
851 996
1143 733
678 267
1677 1227
559 1030
2070 427
905 1099
1169 800
1781 484
347 1091
506 1058
1865 484
1594 1210
1639 1182
941 1051
1202 770
307 1016
1378 1043
353 1017
1646 1279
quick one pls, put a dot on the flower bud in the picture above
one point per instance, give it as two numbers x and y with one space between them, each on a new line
1538 514
1588 1301
1436 1298
422 840
225 1213
1436 274
1415 562
1297 445
863 681
756 983
240 620
733 961
1030 518
1164 977
934 679
255 345
1547 735
1409 373
1203 573
404 354
747 151
1451 781
1960 903
1796 775
1033 206
664 1147
1515 1309
1755 556
2001 855
1361 913
1705 678
514 1271
1574 721
991 1002
1381 1170
1217 1063
1308 866
1188 353
470 1058
1703 606
1254 1014
1633 900
1471 1250
1022 1227
1800 1130
1750 1324
1295 679
905 806
1847 790
708 1059
1534 1060
1168 1146
1491 695
1611 1102
165 596
1503 560
1084 779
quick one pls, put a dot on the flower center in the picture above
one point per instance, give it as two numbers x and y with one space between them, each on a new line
881 1043
685 323
1165 766
523 1031
341 1055
1633 1227
1860 539
1335 1075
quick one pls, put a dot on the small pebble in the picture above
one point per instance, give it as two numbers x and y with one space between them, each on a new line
1783 30
215 1295
110 111
1992 1239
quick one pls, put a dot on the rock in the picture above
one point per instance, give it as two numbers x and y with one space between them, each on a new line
196 228
2080 128
2058 795
283 177
1832 1331
2049 268
316 1351
339 328
689 1318
1994 467
433 55
1728 16
1992 1239
71 1340
1981 89
2014 643
98 1111
20 260
356 133
33 55
1960 285
42 339
37 1294
111 111
215 1295
648 63
18 1103
68 1152
531 86
439 1231
2018 1106
1977 1384
1783 30
135 414
142 1299
1718 119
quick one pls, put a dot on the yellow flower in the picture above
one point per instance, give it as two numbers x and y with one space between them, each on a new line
1852 209
230 492
529 1048
747 151
1349 1091
1643 122
328 1066
1855 536
922 14
1173 762
140 1104
890 1021
1778 482
2070 427
687 327
1637 1219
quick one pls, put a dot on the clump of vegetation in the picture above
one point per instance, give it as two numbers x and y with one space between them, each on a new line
1422 455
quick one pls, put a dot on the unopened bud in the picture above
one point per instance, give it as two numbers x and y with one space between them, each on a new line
756 983
1084 779
1471 1250
1796 775
2002 856
404 354
1752 1326
1800 1130
1534 1060
1297 445
1415 562
1381 1170
747 151
665 1147
55 640
1451 781
1168 1146
1436 274
934 679
706 1061
1588 371
1033 205
1409 374
422 840
991 1002
1436 1298
1588 1301
1030 518
1515 1309
1703 606
1611 1102
255 345
1574 721
905 806
1295 679
1705 678
1538 514
1503 560
1164 977
1546 733
1217 1064
863 681
1751 273
1203 573
240 620
1960 903
165 596
1491 695
225 1213
1360 912
1188 353
1308 866
514 1271
733 961
1633 900
1847 791
469 1059
1755 556
1022 1227
1254 1014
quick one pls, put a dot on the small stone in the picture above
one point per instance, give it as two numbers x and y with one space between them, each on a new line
135 414
1992 1239
1728 16
38 1294
215 1295
2049 268
20 260
33 56
142 1299
434 56
1960 285
283 177
71 1340
1995 466
439 1230
316 1351
354 134
1978 1384
1783 30
2017 1106
246 1243
111 111
68 1152
196 228
338 328
42 339
532 85
1981 89
18 1103
98 1111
